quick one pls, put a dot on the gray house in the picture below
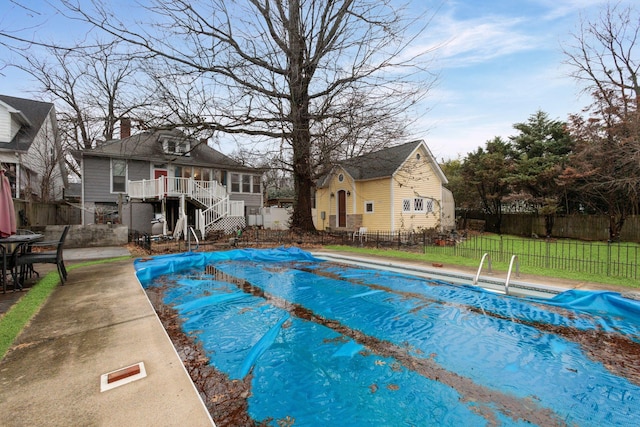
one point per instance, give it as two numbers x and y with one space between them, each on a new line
162 182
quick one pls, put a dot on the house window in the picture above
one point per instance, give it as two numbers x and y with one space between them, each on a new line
246 183
406 205
341 177
418 204
172 146
206 174
235 182
256 184
197 174
241 183
118 176
368 207
429 206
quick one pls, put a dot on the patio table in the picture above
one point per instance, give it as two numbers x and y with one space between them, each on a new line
9 245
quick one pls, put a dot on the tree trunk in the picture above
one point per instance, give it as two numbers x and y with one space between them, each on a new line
615 226
549 220
302 219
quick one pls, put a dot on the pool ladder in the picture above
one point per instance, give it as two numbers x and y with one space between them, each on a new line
195 236
487 256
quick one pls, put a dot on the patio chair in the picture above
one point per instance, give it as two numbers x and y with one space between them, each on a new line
360 234
30 257
11 266
27 248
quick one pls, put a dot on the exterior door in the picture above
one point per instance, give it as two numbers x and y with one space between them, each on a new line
157 173
342 208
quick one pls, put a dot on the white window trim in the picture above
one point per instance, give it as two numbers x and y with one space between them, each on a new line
182 147
373 209
415 202
126 176
429 204
406 202
241 183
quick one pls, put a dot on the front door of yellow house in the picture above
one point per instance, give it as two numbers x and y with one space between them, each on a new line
342 208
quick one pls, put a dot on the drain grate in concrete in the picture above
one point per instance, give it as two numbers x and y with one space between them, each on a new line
122 376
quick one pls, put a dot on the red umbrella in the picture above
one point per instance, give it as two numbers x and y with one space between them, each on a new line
7 211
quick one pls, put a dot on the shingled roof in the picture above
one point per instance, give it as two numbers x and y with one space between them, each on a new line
147 146
381 164
31 114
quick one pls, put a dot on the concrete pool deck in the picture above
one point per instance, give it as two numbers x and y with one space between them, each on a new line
101 321
98 322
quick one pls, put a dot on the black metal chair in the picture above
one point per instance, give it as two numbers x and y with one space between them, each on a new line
11 265
25 260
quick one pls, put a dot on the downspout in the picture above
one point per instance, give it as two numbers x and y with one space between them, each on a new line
18 175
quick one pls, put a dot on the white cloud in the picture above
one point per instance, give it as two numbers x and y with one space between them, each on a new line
462 43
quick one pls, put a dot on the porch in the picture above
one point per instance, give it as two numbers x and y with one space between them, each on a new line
215 210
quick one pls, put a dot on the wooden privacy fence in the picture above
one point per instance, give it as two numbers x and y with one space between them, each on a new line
582 227
30 214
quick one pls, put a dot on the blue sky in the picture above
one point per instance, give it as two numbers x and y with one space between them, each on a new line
499 61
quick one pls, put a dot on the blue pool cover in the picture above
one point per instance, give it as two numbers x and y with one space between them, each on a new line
329 344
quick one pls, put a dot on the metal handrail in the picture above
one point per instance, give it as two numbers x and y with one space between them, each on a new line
506 283
475 279
192 231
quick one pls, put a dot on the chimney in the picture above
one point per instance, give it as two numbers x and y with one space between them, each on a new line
125 127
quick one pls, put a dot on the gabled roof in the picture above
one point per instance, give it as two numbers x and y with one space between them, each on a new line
31 115
147 146
383 163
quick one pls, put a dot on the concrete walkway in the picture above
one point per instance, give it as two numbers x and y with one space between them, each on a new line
98 322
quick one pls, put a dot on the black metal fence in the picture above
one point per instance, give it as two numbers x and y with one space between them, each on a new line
598 258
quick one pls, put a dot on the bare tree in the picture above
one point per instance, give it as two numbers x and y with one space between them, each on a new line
94 87
606 165
283 70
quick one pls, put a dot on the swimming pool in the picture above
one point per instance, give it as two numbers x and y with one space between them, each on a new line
329 344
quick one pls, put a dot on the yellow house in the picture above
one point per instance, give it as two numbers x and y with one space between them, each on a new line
395 189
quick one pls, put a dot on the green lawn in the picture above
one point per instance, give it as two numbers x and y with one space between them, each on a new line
566 259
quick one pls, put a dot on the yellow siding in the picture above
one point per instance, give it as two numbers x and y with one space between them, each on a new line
416 179
329 205
378 192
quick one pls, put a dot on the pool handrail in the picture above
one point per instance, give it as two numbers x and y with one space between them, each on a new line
192 231
488 256
506 283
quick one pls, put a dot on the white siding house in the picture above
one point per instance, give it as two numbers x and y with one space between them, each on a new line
30 149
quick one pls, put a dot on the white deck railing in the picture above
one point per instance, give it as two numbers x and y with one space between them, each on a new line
175 187
210 194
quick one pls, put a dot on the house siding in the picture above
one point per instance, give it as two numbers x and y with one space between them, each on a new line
376 191
251 200
137 170
96 180
416 179
39 159
5 125
329 205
